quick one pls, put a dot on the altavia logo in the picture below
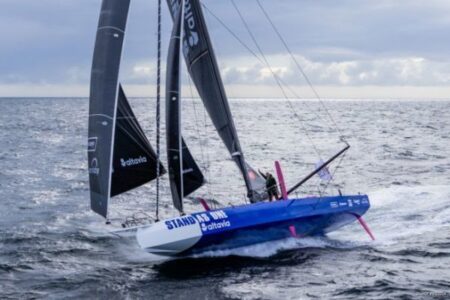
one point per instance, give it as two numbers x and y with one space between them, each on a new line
93 168
215 225
190 31
133 161
190 35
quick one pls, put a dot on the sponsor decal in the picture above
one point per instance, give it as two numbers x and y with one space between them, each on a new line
350 202
180 222
133 161
213 220
215 225
334 204
357 201
94 169
191 35
343 203
202 217
218 215
92 144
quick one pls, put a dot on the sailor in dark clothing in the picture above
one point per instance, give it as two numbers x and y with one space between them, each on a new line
271 185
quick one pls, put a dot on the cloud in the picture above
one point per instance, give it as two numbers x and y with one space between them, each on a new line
386 72
347 43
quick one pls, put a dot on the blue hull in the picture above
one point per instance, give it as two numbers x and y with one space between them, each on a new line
267 221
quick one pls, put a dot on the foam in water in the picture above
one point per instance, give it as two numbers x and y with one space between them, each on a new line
411 211
268 249
401 212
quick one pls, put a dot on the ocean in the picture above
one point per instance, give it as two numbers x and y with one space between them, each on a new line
53 247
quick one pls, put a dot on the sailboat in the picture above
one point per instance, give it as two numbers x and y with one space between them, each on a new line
121 158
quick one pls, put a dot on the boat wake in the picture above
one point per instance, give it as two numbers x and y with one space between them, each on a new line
397 213
268 249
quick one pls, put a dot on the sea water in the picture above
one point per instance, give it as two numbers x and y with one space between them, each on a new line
52 246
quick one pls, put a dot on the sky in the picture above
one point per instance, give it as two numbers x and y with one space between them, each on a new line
347 48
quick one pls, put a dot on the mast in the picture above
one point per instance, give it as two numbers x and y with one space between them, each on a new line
173 125
158 110
184 174
180 147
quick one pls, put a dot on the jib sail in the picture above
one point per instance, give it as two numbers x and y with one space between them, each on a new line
203 69
134 160
184 174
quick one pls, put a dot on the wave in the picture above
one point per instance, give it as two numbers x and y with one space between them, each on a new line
397 213
269 249
402 212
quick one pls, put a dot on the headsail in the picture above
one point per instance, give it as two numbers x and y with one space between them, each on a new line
184 174
110 140
203 69
134 160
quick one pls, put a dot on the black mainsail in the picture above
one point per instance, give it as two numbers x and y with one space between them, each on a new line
204 71
184 174
119 155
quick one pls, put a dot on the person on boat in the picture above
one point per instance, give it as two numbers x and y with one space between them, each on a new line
271 185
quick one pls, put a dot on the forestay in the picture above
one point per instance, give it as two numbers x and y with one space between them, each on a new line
203 69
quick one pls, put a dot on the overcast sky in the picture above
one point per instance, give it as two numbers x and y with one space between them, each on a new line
348 48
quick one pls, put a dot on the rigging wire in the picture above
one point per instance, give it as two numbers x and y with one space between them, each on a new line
236 37
308 81
158 111
206 162
208 159
299 67
276 78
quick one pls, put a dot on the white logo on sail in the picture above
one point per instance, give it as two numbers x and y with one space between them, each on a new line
190 33
133 161
94 169
92 144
